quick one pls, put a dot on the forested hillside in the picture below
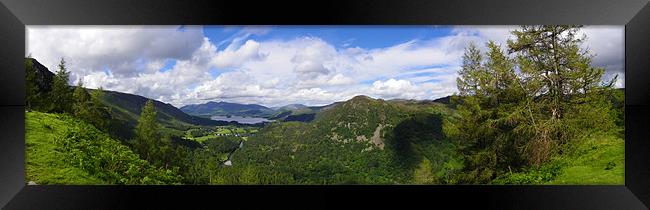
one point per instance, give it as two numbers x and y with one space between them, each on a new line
125 110
120 111
362 141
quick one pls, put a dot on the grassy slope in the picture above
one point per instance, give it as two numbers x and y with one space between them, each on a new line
63 150
598 159
45 164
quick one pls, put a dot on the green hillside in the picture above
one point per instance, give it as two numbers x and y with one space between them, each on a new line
125 109
360 141
63 150
298 112
224 108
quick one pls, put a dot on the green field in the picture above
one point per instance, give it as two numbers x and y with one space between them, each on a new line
223 131
220 131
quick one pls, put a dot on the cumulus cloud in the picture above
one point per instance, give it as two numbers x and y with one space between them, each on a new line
126 58
122 49
309 60
607 45
231 57
396 89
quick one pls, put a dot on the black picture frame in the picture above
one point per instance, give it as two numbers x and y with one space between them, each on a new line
634 14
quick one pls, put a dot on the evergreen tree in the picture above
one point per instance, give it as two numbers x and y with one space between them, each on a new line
101 113
470 74
551 56
89 108
506 100
146 131
487 120
164 151
61 94
82 105
569 96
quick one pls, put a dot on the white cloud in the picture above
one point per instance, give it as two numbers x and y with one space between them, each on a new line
498 34
396 89
607 44
121 48
231 57
339 79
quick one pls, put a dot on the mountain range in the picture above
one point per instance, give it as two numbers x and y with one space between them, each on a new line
291 112
225 108
125 108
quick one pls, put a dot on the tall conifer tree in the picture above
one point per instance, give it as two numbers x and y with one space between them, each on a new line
61 94
147 132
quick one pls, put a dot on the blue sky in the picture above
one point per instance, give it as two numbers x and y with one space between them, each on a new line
340 36
278 65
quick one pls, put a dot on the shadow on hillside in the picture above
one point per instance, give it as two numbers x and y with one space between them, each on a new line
412 134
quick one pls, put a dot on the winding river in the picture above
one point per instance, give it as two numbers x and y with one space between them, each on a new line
228 161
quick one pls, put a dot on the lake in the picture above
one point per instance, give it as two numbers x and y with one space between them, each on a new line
241 119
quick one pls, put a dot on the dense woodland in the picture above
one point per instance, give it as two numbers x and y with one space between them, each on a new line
533 112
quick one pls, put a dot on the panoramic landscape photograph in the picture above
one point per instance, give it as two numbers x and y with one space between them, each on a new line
325 105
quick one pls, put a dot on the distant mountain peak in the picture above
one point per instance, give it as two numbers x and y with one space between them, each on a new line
43 75
362 97
227 108
291 107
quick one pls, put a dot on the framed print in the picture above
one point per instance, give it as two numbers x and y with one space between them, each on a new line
513 104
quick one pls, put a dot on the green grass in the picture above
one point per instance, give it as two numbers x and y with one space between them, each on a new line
223 131
595 160
45 164
202 139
